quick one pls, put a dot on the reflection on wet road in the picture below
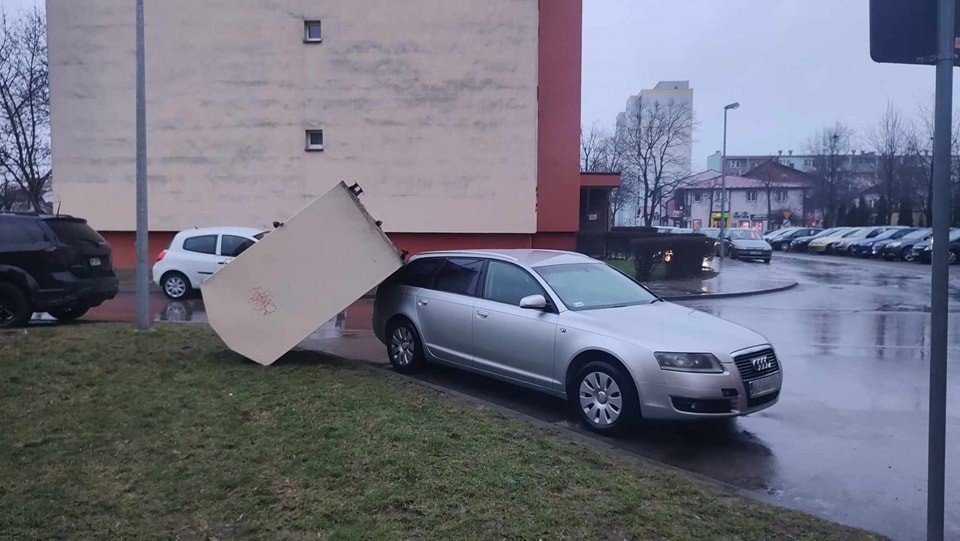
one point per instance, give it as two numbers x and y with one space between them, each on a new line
847 441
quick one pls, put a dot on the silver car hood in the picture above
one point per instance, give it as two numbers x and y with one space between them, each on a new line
663 326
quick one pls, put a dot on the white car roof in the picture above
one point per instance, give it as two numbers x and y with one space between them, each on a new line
529 258
238 231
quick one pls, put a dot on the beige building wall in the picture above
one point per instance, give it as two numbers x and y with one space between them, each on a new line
431 105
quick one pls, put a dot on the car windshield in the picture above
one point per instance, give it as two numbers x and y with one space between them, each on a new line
855 233
589 286
782 232
825 233
259 236
741 234
918 234
955 235
710 232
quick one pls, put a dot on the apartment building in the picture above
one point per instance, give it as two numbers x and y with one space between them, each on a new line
459 119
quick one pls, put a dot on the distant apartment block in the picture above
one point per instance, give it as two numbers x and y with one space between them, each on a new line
664 94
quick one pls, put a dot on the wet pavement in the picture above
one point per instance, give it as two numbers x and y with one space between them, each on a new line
847 440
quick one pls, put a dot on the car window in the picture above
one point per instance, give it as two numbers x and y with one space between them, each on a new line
203 244
74 231
459 275
232 246
419 272
20 232
508 284
874 233
586 286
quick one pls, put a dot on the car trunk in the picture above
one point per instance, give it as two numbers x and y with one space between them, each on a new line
80 248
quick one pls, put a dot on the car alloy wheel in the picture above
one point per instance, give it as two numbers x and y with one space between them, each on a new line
175 286
908 256
403 348
953 258
600 399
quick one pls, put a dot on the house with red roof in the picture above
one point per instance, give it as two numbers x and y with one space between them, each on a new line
769 196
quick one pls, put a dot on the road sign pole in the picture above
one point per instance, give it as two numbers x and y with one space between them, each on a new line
942 163
142 284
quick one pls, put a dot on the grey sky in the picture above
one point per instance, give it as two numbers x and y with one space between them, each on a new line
794 65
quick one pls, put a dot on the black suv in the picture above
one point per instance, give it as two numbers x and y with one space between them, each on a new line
54 264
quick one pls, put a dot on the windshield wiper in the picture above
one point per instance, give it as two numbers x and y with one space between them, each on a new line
658 299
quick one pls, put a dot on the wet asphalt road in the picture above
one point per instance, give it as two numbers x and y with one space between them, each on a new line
847 440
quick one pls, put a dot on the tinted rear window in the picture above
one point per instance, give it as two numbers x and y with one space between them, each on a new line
459 276
419 273
204 244
70 231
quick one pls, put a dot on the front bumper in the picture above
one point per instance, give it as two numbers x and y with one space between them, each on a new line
71 291
690 396
754 254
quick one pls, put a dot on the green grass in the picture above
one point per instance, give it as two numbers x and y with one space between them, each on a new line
107 433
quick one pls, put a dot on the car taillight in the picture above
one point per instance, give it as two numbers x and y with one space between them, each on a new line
163 254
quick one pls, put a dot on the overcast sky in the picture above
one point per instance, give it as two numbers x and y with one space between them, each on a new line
794 65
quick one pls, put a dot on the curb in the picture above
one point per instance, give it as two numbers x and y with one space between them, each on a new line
731 294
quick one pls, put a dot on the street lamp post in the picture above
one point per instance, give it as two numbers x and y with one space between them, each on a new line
142 278
723 179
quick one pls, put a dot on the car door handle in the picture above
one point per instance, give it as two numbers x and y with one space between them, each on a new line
482 315
421 302
222 262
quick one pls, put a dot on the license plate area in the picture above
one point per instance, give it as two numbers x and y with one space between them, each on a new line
763 386
95 262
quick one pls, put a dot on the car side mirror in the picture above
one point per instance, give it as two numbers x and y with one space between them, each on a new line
536 302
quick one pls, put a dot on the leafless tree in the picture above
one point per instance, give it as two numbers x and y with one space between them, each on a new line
658 137
24 109
889 140
920 146
830 146
605 152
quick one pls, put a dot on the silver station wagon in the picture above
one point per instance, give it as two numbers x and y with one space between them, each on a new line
571 326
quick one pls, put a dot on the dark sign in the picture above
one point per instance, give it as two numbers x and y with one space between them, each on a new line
904 31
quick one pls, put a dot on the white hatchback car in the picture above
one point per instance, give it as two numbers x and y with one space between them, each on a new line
196 254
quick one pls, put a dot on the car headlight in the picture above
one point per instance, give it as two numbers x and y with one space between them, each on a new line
688 362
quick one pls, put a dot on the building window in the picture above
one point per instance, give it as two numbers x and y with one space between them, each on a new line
314 139
751 196
781 195
697 196
311 32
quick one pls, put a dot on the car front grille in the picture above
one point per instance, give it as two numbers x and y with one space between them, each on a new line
748 371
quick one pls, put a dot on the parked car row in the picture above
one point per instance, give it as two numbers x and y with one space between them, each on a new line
887 242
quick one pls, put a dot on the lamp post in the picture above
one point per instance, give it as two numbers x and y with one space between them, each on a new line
723 179
142 278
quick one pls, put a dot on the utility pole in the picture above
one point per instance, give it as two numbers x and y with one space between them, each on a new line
939 293
142 284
